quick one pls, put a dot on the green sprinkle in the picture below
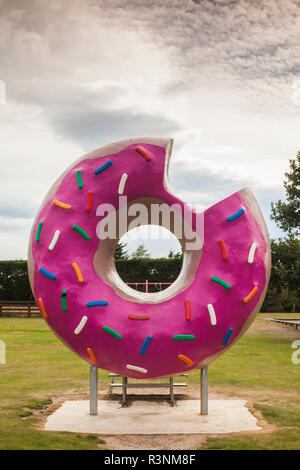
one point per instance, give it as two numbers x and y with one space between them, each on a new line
111 332
221 282
79 179
38 232
81 231
64 300
179 337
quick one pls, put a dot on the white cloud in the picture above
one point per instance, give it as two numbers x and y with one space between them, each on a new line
217 76
14 235
157 240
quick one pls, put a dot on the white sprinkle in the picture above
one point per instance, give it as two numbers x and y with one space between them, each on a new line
138 369
122 183
54 240
212 314
81 325
252 253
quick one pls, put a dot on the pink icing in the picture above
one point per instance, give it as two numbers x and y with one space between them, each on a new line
166 318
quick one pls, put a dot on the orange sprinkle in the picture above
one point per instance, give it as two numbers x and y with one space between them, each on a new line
92 355
187 310
78 272
223 249
42 307
61 204
143 153
185 359
252 294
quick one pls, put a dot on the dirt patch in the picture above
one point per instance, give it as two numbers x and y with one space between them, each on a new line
266 427
262 326
153 442
57 401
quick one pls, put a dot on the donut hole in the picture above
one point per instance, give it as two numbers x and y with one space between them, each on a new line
148 258
104 258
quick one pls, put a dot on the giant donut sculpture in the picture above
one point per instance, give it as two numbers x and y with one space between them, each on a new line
72 273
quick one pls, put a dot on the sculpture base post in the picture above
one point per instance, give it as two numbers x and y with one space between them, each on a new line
124 391
204 390
172 391
93 390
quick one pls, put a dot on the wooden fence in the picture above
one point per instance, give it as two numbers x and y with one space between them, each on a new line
11 308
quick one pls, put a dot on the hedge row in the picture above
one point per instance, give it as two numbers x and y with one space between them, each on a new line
154 270
14 283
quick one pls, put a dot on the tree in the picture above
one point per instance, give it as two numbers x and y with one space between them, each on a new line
140 252
120 251
286 251
287 214
172 254
286 270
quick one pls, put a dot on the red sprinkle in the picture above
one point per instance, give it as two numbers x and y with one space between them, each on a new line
89 205
223 249
143 153
138 317
187 310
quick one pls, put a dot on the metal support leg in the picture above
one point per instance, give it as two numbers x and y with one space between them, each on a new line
204 391
172 391
93 390
124 391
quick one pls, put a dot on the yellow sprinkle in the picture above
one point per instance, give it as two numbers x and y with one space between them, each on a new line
61 204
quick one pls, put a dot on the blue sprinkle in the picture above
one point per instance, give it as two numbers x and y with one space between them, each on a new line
227 336
95 303
236 215
103 167
145 345
47 273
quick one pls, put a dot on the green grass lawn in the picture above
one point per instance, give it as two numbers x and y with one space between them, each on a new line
39 367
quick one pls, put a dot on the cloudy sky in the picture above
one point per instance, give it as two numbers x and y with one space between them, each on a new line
220 77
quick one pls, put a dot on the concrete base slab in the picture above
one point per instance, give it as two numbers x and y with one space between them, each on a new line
225 416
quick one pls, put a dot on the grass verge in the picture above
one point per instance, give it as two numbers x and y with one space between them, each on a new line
39 367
